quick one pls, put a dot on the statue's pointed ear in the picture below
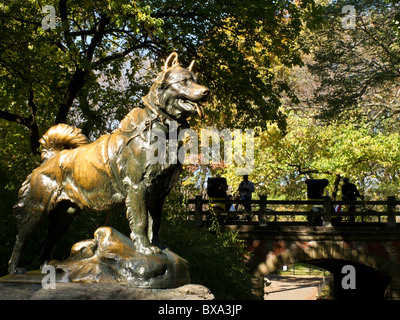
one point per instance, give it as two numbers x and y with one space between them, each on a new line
191 66
171 61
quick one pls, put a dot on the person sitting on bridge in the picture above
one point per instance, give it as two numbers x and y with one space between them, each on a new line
246 188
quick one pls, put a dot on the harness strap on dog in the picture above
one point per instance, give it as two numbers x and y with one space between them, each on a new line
145 125
112 156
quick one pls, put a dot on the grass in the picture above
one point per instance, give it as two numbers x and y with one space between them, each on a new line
303 269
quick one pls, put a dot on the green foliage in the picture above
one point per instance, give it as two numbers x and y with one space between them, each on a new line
98 61
366 153
15 157
357 68
7 227
244 51
216 259
215 255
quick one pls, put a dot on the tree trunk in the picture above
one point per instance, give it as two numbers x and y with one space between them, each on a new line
75 85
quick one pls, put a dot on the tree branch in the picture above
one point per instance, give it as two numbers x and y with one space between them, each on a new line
308 171
33 127
28 122
64 20
14 117
98 37
120 54
77 80
76 83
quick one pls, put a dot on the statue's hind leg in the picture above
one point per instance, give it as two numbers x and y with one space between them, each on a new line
26 226
60 219
155 212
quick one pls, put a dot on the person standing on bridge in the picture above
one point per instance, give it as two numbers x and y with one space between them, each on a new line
246 188
350 193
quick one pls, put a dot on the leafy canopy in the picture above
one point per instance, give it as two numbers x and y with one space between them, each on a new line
357 67
100 58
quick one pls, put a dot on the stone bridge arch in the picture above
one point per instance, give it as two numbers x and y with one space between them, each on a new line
329 253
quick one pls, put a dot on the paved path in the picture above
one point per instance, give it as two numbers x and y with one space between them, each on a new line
292 287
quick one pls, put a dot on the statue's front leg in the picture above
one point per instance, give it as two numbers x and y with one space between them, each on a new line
136 212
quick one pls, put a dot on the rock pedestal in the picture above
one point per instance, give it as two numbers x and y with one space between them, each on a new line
99 291
108 267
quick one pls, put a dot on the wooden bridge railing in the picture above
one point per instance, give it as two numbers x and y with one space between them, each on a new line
326 212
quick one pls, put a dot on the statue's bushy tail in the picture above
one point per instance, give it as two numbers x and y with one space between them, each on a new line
59 137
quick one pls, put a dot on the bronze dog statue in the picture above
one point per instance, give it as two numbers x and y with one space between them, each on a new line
110 171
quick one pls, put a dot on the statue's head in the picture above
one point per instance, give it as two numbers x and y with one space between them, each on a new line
176 91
